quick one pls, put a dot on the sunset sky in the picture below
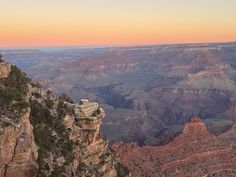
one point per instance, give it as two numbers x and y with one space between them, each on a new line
26 23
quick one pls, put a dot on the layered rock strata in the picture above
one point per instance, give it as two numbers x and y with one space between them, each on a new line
94 155
193 153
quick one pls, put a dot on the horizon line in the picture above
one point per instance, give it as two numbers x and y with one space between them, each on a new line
104 45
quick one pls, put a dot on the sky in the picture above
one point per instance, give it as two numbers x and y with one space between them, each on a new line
26 23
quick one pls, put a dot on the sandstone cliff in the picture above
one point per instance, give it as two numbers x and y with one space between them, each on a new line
5 69
41 135
18 151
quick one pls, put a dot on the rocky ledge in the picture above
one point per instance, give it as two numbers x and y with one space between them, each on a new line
95 158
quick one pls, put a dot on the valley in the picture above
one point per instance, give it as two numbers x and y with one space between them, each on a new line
148 92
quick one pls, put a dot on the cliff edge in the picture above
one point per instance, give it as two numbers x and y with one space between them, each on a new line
41 135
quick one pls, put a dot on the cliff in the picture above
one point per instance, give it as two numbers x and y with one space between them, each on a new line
41 135
18 152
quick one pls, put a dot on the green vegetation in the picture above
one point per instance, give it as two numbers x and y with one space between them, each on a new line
96 113
49 92
66 98
49 103
121 170
14 89
37 85
58 172
63 109
51 136
7 96
81 167
1 58
17 81
20 105
37 95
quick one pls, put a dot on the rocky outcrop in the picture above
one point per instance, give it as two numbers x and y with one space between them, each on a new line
195 152
79 148
41 135
94 156
18 152
5 69
195 127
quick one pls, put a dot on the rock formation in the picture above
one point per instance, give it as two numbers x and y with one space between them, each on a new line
94 156
5 69
195 152
18 152
41 135
149 93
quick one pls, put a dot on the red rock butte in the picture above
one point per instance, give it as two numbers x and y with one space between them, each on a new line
195 152
195 126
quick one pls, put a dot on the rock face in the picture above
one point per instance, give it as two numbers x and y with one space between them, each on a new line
93 154
5 69
18 151
196 127
69 138
41 135
195 152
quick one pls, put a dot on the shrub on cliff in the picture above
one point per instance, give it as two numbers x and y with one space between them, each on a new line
51 136
13 90
6 97
66 98
18 81
1 58
49 103
20 105
121 170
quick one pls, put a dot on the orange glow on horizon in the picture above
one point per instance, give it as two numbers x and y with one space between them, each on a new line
108 22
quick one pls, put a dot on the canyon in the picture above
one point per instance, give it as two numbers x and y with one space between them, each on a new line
170 111
148 92
195 152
